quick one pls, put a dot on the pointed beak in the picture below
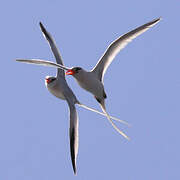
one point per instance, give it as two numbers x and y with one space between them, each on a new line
70 72
47 81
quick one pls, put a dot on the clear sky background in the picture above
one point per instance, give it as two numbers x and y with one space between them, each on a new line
142 85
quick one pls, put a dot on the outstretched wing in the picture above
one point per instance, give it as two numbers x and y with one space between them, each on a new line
117 45
73 133
54 49
43 63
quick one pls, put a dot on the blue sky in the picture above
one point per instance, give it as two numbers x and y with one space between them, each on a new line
142 85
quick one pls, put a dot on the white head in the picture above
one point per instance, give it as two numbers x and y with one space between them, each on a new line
50 81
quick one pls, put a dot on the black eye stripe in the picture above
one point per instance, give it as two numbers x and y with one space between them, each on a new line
78 68
52 79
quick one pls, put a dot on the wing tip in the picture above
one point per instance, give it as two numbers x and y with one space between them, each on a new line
20 60
72 150
40 23
73 159
42 27
74 169
44 31
155 21
158 19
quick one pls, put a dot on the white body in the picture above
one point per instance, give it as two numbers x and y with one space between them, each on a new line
90 82
56 90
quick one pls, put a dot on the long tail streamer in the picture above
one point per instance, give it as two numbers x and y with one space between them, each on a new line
104 114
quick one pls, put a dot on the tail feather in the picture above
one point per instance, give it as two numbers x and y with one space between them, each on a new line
104 114
109 118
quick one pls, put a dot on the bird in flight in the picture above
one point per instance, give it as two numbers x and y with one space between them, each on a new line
92 81
58 87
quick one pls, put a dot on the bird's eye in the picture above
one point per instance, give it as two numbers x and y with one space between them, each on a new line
78 68
50 80
53 79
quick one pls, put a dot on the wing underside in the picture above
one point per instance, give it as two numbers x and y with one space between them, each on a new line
73 134
54 49
116 46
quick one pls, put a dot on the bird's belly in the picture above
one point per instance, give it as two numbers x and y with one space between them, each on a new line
57 92
93 86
